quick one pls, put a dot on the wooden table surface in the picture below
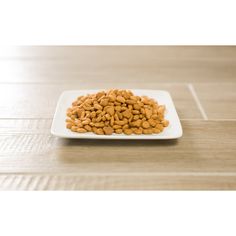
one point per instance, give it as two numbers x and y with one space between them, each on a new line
201 80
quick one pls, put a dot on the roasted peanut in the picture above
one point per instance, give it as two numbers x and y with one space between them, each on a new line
136 106
125 126
116 116
117 126
118 108
97 106
137 123
148 113
74 128
100 124
147 131
135 112
118 131
156 131
110 110
93 114
81 130
154 116
128 131
112 98
160 127
152 122
161 109
165 123
116 111
116 103
86 122
145 124
120 122
126 113
120 115
99 131
68 125
94 129
107 116
112 121
120 99
104 102
108 130
138 131
136 117
130 102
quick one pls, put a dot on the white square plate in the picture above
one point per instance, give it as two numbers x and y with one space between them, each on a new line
173 131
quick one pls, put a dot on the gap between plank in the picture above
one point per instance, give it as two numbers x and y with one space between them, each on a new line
192 90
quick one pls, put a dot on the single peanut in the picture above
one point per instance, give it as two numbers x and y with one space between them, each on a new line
160 127
147 131
136 106
81 130
125 126
120 99
88 128
118 131
108 130
104 102
118 108
136 117
138 131
165 123
97 106
127 113
152 122
148 113
111 110
74 128
68 125
99 131
145 125
117 126
156 131
128 131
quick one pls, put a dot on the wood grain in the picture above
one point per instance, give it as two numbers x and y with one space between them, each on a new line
122 64
39 100
218 100
117 182
201 80
199 150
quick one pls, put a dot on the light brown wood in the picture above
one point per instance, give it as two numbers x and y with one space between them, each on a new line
201 80
39 100
108 64
207 146
219 100
116 182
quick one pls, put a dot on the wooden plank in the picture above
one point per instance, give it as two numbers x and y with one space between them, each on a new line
207 146
218 100
25 126
119 182
75 52
122 64
39 100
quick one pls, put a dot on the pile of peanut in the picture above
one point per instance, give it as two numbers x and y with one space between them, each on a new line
116 111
